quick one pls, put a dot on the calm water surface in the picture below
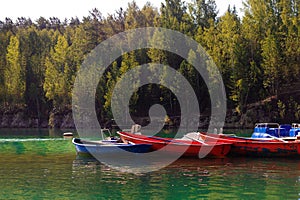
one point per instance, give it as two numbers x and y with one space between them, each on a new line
43 167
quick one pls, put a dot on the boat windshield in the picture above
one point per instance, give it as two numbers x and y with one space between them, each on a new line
267 125
295 125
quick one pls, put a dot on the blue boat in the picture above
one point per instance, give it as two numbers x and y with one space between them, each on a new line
87 147
274 130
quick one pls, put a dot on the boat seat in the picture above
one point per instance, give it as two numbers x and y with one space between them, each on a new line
194 135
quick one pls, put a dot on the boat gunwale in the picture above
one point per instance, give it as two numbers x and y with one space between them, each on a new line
89 144
169 141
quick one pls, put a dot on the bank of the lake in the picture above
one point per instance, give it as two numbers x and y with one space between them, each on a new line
63 119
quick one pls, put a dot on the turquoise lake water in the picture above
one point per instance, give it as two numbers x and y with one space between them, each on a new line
45 166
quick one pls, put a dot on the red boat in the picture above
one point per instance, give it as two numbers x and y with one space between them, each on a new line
267 149
272 147
190 148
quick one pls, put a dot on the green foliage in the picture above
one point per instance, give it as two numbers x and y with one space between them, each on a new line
202 11
57 75
256 55
281 109
271 61
14 74
297 112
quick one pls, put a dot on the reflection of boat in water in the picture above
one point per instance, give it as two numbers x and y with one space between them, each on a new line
207 166
228 178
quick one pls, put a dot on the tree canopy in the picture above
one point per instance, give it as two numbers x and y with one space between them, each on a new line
258 55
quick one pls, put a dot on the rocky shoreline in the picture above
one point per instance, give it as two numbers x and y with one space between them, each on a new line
265 111
19 119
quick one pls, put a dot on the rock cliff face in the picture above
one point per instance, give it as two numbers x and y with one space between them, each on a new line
254 113
65 120
61 120
19 119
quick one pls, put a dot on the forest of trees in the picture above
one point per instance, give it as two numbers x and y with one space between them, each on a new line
258 55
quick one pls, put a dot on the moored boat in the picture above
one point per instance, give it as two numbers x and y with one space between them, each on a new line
260 147
87 147
266 132
188 146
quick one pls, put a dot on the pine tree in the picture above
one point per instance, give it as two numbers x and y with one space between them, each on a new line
14 74
202 11
57 82
271 63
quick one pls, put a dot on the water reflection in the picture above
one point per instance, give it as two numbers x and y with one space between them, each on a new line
33 133
66 176
47 168
35 146
207 178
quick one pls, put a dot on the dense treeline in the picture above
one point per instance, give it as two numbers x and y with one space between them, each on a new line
258 55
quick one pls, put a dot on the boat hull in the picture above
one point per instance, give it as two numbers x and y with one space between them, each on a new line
107 147
266 149
177 146
260 147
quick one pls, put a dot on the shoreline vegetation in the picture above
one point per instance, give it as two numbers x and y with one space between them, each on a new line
258 56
